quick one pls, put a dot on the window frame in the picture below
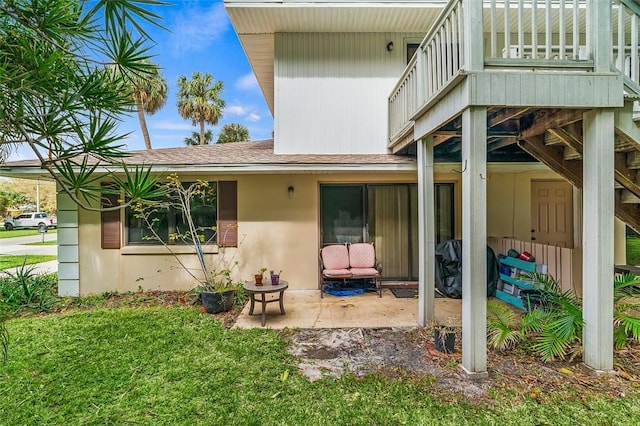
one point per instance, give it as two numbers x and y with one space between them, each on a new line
172 218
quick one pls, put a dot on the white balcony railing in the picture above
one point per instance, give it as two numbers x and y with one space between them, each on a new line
536 29
404 100
518 33
441 52
626 49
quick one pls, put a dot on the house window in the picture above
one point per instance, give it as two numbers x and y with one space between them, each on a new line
169 221
217 208
412 48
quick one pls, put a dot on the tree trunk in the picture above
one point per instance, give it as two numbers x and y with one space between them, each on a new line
143 123
202 141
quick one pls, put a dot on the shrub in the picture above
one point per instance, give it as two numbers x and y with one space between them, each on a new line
26 290
554 330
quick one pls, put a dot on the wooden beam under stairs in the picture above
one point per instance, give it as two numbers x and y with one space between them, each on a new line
633 160
629 198
625 175
628 213
548 119
553 157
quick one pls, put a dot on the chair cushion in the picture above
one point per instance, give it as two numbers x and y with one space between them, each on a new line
335 257
362 255
342 273
364 272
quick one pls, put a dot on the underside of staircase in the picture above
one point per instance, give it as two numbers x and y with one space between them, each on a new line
555 138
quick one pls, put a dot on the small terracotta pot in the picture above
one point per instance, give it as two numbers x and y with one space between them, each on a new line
258 279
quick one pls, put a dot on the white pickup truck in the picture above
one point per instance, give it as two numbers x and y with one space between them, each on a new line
38 220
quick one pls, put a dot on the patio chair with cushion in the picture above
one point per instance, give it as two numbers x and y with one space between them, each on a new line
350 262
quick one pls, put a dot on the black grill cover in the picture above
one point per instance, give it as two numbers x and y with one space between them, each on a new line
449 269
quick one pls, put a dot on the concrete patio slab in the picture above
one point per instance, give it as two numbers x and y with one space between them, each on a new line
305 309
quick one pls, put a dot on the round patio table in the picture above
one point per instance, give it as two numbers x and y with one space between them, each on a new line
262 290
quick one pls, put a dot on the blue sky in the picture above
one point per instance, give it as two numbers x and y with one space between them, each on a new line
200 38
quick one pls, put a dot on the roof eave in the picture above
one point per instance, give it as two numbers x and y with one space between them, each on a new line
35 172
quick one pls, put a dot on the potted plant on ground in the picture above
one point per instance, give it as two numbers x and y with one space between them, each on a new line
444 338
219 291
215 282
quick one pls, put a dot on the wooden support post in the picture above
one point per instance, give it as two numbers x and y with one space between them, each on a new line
426 231
598 238
474 241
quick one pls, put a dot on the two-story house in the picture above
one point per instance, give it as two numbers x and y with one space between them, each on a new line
407 123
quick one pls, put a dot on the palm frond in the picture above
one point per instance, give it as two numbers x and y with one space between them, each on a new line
550 346
139 184
502 327
623 284
534 321
541 281
625 327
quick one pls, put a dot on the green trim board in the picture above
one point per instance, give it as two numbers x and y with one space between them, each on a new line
520 264
510 299
515 284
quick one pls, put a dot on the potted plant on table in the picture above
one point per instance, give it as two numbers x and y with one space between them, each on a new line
259 276
275 278
215 282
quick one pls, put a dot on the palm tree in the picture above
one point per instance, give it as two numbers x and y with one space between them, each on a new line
199 100
149 91
233 132
194 139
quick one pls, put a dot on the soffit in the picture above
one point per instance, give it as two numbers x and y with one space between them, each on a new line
273 17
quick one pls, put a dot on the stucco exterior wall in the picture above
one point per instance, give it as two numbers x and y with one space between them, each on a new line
282 233
509 203
276 232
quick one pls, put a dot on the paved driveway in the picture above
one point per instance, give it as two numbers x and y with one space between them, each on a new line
18 246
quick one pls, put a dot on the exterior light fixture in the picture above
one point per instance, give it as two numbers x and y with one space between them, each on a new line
389 46
290 190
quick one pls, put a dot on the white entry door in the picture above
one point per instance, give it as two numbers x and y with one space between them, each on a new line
552 213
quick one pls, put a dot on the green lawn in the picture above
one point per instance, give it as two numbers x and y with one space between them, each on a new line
7 261
174 366
46 243
633 251
21 232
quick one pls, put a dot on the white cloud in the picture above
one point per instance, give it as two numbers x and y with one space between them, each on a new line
253 117
247 82
235 110
195 28
171 125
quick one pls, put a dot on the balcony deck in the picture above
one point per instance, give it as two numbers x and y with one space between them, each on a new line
542 62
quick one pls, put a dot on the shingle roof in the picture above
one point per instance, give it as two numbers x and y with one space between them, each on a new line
242 154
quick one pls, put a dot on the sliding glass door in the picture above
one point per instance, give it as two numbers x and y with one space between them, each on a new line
387 215
444 215
391 228
342 214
